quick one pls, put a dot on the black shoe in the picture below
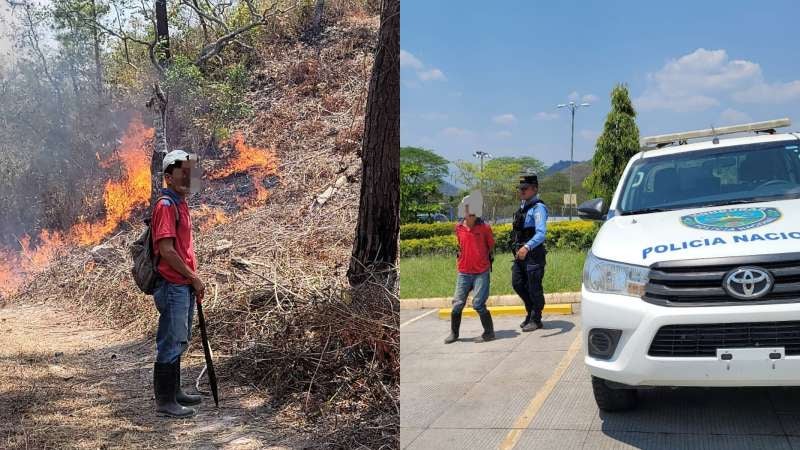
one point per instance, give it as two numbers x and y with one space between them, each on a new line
164 382
455 324
488 328
526 321
533 325
180 396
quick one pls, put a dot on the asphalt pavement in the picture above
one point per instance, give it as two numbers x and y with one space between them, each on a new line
532 390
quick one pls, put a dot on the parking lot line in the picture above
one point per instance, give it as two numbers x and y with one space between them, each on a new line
538 400
418 317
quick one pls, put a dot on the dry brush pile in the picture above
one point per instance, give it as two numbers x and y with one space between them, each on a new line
280 311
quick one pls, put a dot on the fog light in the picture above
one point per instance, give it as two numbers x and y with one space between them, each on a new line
603 342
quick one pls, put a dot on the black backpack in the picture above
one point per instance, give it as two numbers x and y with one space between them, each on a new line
145 263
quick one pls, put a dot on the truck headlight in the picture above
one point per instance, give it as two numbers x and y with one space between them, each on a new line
609 277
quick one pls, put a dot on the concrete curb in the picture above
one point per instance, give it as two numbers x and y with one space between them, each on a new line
561 309
495 300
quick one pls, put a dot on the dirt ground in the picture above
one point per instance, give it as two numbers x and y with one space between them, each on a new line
67 383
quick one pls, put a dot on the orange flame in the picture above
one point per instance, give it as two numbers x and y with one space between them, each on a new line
14 267
209 217
258 162
120 197
123 196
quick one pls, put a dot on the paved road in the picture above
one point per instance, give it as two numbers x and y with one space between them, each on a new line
529 390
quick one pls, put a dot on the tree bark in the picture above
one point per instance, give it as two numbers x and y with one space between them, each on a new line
158 104
376 243
162 29
97 64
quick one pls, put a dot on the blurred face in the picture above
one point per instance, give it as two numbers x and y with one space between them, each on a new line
528 191
470 220
178 180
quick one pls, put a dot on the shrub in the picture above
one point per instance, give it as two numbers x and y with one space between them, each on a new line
438 238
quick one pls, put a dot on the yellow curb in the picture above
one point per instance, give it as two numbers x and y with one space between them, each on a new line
494 300
559 308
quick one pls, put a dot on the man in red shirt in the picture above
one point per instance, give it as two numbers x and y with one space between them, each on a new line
178 286
475 244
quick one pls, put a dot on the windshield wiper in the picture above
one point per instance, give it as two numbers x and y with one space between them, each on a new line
644 211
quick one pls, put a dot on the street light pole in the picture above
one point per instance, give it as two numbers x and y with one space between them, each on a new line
480 154
572 106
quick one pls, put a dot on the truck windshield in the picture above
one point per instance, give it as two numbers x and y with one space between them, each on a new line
741 174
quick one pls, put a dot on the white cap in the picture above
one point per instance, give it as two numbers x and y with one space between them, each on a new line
173 157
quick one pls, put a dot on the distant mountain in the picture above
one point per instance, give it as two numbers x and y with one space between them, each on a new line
580 171
559 166
448 190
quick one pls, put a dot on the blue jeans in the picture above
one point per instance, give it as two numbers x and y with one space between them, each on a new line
175 303
467 282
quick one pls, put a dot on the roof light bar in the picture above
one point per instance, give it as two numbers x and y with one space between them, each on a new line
768 126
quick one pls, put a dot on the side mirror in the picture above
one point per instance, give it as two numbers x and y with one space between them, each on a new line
592 209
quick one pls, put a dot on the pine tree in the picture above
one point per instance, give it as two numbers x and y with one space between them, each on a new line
618 143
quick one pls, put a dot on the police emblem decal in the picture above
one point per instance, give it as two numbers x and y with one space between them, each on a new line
737 219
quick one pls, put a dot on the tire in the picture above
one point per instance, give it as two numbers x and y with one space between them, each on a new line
611 400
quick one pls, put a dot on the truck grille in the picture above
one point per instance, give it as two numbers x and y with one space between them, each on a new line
705 339
698 282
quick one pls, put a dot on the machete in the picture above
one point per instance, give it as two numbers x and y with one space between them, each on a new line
212 376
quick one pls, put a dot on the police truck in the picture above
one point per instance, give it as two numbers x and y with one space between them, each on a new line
694 276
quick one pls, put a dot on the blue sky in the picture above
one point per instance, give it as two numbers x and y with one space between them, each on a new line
488 75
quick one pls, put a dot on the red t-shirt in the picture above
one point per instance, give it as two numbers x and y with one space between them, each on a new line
474 245
163 226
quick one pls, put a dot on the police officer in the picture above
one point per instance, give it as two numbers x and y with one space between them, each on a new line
528 233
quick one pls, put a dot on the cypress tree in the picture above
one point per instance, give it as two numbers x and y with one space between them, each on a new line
615 146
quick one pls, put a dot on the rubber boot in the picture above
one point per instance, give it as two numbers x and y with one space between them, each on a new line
164 386
488 328
180 396
455 324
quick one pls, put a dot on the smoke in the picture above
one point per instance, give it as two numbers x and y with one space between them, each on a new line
6 36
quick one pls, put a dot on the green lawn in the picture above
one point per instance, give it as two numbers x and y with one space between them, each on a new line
435 276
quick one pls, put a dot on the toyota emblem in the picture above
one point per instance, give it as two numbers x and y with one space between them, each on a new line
748 283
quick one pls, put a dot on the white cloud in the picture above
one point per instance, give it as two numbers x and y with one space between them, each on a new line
704 78
455 132
731 116
410 61
424 73
503 134
589 135
434 116
573 96
504 119
431 75
590 98
546 116
769 93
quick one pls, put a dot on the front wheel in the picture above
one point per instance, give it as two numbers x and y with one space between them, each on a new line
609 399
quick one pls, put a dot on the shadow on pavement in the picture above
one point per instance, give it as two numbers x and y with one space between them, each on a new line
562 325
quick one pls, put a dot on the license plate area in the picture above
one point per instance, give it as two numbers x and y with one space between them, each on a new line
751 354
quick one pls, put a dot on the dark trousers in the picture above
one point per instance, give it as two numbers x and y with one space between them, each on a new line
526 277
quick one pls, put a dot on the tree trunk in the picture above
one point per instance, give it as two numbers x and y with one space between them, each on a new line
158 104
376 246
162 30
316 27
97 65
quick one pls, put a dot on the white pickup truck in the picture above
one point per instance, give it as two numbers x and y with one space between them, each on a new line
694 277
